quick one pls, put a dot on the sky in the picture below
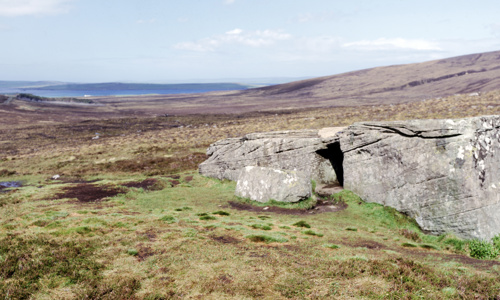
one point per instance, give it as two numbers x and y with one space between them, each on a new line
166 41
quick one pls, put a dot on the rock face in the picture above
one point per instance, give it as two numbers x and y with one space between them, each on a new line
286 150
263 184
443 173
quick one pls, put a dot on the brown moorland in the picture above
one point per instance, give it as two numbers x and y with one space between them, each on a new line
377 86
130 218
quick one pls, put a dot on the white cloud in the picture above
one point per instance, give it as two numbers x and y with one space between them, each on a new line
150 21
234 31
393 44
237 36
229 1
13 8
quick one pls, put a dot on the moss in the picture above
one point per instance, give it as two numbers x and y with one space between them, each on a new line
261 226
132 252
301 224
221 213
261 238
169 219
331 246
311 232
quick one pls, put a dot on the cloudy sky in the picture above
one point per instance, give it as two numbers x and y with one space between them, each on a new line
216 40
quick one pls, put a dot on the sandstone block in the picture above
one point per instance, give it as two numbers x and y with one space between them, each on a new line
263 184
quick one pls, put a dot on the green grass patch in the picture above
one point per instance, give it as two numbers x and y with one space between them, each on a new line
409 245
54 215
95 221
132 252
169 219
185 208
40 223
313 233
430 247
303 205
80 230
301 223
261 238
496 241
27 260
351 229
331 246
120 225
380 215
261 226
449 291
207 218
482 249
221 213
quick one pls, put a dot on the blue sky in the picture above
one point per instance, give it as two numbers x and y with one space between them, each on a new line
216 40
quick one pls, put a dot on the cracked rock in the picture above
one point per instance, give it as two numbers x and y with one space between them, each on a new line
264 184
443 173
285 150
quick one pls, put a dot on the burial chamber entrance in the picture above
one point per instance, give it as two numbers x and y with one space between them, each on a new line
336 157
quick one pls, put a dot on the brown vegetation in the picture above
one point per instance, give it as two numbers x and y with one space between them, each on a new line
162 233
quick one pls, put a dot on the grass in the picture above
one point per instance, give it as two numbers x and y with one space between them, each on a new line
156 241
153 243
302 223
332 246
262 238
313 233
261 226
221 213
304 204
482 249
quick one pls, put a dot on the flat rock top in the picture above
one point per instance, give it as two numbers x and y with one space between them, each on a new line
329 132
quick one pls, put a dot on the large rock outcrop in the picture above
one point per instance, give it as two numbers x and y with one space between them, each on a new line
265 184
299 150
443 173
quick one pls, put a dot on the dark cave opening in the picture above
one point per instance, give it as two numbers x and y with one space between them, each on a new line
336 157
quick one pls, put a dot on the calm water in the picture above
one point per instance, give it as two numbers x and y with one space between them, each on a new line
71 93
9 184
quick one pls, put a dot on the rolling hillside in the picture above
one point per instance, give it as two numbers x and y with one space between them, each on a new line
394 84
397 84
377 86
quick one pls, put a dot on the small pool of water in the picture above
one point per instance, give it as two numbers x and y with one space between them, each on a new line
9 184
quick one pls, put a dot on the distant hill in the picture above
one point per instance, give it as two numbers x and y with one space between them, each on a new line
144 86
392 84
26 84
370 87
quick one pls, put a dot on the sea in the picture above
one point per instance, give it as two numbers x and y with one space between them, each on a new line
89 93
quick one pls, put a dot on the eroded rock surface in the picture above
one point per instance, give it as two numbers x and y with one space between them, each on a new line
443 173
285 150
263 184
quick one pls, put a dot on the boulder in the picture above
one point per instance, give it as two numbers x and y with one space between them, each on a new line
443 173
263 184
300 150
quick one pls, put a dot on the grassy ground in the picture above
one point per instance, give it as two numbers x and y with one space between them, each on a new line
130 218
